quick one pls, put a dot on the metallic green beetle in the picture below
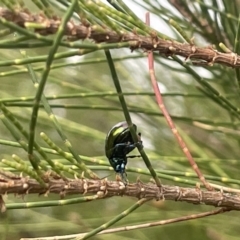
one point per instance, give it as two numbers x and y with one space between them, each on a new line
118 144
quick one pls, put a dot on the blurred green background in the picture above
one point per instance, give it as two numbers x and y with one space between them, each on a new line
210 131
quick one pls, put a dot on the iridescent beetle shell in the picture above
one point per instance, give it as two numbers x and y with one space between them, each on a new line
119 133
118 144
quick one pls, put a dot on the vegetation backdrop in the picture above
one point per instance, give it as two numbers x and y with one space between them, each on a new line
58 66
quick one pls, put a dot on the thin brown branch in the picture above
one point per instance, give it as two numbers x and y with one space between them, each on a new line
168 221
203 56
105 188
138 226
168 118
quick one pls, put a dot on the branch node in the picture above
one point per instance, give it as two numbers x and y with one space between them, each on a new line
179 191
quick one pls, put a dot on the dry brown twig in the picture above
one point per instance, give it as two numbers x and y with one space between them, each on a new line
105 188
203 56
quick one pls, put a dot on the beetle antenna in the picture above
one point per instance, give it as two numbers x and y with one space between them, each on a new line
134 156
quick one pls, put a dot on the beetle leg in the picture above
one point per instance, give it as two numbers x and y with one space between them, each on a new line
124 177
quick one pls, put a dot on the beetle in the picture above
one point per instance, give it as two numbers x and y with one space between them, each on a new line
118 144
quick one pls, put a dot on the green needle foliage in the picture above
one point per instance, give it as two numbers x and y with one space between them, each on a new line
70 70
